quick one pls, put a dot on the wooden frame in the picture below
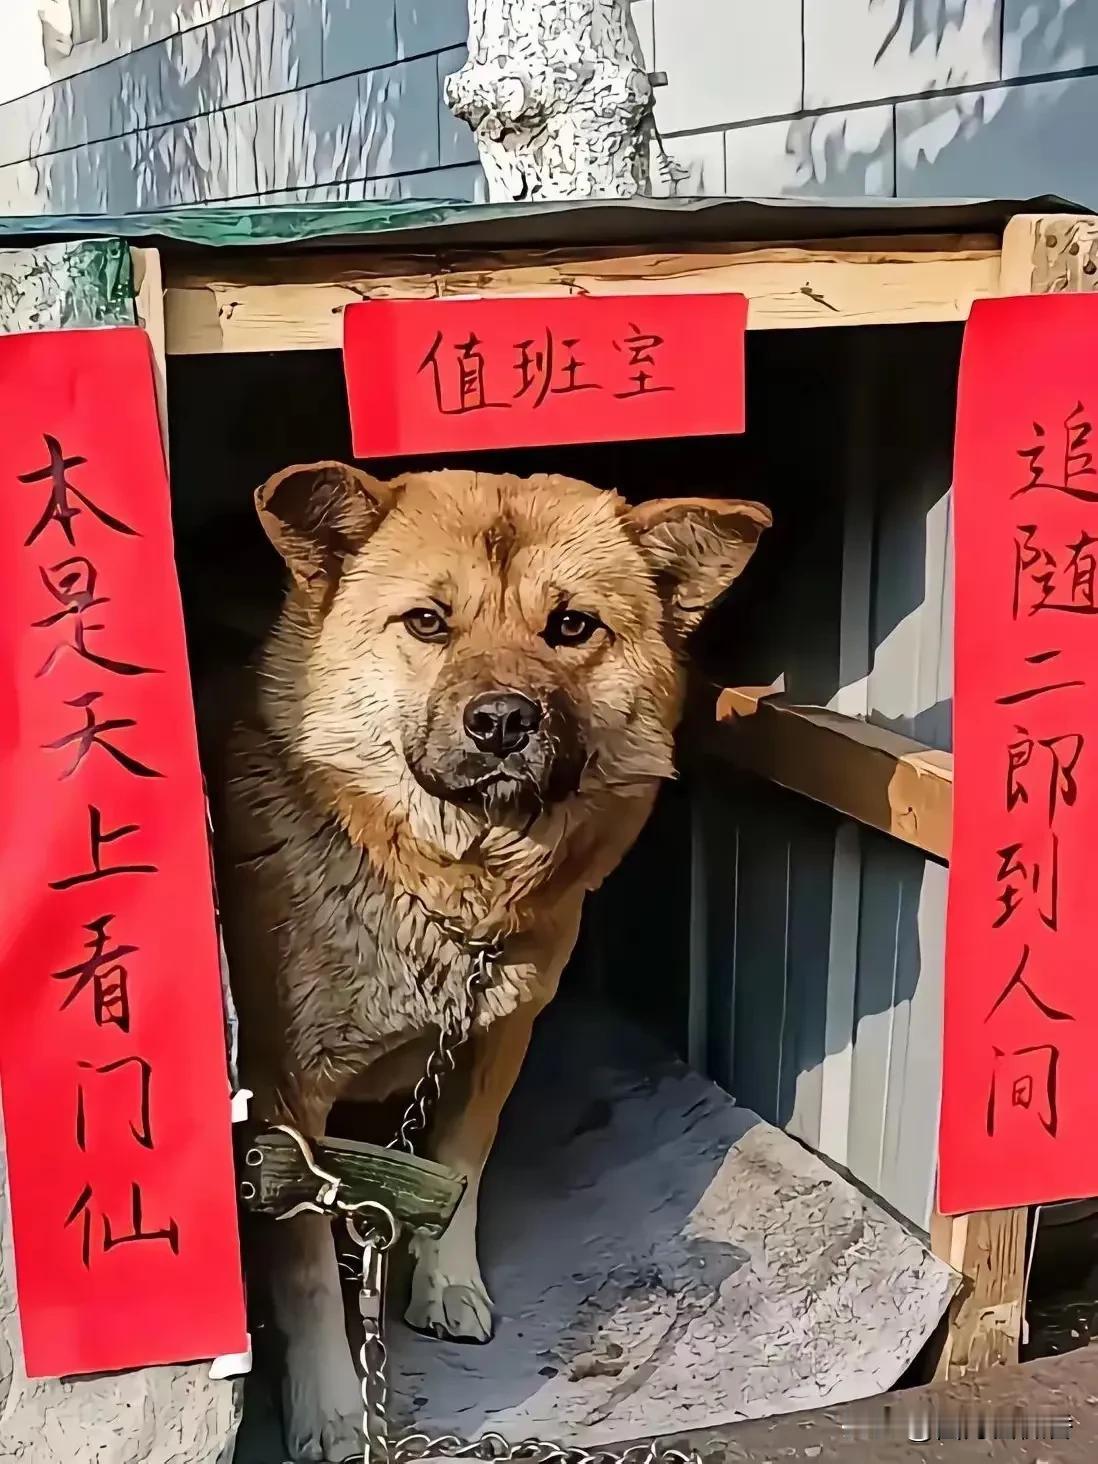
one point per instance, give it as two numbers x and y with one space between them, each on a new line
241 301
245 301
861 771
295 302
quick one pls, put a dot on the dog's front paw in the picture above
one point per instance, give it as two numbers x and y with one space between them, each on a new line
322 1427
448 1301
331 1441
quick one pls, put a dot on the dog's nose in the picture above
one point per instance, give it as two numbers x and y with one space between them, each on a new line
501 721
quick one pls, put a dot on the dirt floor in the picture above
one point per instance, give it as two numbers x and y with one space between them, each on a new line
1063 1287
1059 1388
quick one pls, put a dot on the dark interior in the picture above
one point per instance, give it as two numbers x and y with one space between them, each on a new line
831 414
260 413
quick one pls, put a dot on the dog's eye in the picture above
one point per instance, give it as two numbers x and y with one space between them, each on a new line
570 628
426 624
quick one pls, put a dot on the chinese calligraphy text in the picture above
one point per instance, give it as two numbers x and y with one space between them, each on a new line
1019 1085
428 376
112 1054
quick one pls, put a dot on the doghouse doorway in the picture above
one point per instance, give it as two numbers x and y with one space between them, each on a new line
640 954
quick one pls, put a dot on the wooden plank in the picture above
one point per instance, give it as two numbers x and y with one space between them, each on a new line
288 303
421 1195
985 1319
864 772
149 304
1046 254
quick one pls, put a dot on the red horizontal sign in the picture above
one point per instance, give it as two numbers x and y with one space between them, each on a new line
432 376
1020 1081
113 1065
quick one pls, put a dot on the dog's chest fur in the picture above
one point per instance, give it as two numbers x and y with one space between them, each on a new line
361 967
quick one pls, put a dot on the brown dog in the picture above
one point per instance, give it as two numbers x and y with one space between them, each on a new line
462 715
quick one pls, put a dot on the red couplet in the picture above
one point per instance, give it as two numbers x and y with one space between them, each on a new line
431 376
112 1051
1020 1084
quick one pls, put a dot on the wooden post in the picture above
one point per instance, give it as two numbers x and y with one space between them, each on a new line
985 1319
148 288
1042 255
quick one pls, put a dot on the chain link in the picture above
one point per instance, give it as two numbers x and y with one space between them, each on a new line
453 1034
373 1228
491 1448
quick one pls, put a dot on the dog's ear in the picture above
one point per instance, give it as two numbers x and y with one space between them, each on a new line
696 547
316 514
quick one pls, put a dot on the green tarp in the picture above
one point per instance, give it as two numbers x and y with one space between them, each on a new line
442 224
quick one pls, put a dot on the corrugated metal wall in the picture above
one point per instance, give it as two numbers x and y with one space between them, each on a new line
815 970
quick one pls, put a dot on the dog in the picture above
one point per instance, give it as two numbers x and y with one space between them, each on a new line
459 721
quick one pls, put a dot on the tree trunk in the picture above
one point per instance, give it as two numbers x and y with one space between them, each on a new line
558 98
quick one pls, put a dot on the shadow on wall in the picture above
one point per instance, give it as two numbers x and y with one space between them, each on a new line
249 107
1001 128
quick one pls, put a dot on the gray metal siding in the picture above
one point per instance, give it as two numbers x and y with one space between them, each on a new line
817 977
813 97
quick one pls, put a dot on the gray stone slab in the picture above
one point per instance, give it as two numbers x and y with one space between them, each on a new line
859 52
1043 36
466 183
21 125
456 143
358 35
644 20
661 1259
727 61
400 118
423 26
837 155
1008 142
694 166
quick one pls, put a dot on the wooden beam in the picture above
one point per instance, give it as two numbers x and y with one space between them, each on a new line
864 772
985 1319
296 302
1046 254
148 284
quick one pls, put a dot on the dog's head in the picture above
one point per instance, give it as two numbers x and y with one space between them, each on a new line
496 643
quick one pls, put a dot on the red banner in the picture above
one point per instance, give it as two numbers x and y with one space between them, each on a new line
112 1051
430 376
1020 1082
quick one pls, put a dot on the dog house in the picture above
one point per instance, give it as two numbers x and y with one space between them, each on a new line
780 924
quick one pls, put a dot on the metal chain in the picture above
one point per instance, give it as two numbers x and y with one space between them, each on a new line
490 1448
375 1237
452 1036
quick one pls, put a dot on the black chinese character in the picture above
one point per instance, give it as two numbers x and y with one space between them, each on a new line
1029 1077
1064 752
72 583
537 368
142 1129
1068 588
471 395
1075 460
640 346
82 1209
1018 981
59 507
104 972
91 735
1028 693
97 838
1043 877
